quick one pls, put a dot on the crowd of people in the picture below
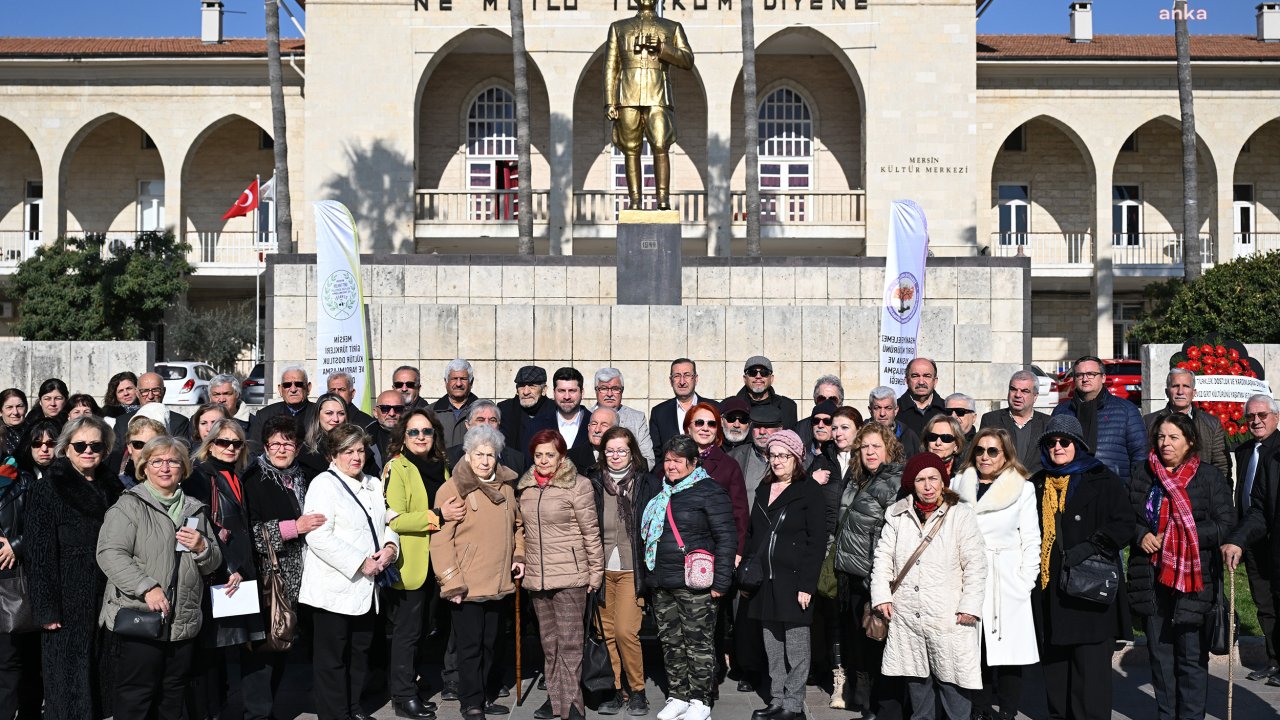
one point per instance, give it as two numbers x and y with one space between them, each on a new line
919 558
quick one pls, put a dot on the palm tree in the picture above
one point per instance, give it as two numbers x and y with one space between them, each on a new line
524 193
1191 258
751 122
279 134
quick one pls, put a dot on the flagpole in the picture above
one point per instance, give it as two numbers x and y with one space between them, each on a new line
257 276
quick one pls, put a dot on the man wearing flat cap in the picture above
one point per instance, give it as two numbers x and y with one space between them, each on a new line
753 457
757 390
530 399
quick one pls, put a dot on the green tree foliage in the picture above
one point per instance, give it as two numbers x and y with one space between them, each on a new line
216 336
77 289
1235 300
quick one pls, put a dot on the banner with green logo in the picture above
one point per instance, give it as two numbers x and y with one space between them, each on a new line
342 341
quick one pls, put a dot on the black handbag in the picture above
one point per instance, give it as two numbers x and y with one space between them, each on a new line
1219 624
597 669
15 604
149 624
750 575
1096 579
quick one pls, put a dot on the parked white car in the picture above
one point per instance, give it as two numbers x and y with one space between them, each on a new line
1047 399
185 383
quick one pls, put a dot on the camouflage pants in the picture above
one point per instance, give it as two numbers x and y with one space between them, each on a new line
687 627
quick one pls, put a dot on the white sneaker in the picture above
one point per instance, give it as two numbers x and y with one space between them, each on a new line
674 709
697 711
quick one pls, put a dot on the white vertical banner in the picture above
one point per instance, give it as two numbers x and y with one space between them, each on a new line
903 291
342 342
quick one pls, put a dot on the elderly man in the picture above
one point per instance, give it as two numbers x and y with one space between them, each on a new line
486 412
827 387
1020 419
666 420
820 421
408 381
609 389
344 386
1257 538
225 390
921 400
602 420
757 389
754 458
1180 389
151 390
294 390
387 411
452 407
735 420
566 415
1112 426
965 410
882 407
530 399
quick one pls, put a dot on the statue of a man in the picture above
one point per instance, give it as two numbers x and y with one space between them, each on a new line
638 97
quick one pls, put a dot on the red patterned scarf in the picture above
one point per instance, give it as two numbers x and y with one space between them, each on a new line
1178 561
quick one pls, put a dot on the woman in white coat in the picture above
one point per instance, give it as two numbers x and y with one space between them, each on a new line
933 635
995 484
343 558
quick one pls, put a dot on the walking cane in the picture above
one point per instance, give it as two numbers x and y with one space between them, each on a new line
1231 647
519 680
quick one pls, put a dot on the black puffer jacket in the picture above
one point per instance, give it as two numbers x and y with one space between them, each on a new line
857 537
13 502
705 518
1214 512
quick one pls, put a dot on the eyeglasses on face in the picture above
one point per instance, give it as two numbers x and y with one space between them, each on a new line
391 409
774 457
404 384
935 437
1250 417
758 372
609 389
823 420
419 432
989 450
702 422
959 412
89 448
617 452
162 463
150 391
281 446
1058 442
293 384
225 443
682 376
1089 375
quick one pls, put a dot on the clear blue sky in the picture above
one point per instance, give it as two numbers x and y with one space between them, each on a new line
170 18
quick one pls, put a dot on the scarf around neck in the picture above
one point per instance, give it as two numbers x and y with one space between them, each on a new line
172 505
1178 560
621 485
290 479
655 513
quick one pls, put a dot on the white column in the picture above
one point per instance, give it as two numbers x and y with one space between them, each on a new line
1225 213
1104 271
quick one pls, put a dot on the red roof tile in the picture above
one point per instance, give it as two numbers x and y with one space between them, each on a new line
1123 47
138 47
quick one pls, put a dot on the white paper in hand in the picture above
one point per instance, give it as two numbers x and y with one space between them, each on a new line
244 602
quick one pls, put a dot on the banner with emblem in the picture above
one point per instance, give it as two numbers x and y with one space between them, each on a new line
903 291
342 340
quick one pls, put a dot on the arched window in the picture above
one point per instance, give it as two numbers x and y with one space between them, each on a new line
491 155
786 154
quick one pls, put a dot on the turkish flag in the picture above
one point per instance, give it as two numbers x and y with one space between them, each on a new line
247 203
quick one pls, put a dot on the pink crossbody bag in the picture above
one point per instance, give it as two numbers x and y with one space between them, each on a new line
699 565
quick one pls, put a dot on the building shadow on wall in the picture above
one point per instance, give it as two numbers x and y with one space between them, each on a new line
561 178
378 190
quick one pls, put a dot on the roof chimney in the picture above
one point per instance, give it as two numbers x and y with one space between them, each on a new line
211 21
1269 22
1082 21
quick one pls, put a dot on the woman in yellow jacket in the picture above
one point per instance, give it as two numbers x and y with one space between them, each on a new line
413 477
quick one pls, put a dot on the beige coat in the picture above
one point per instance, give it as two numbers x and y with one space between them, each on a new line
472 557
949 578
561 531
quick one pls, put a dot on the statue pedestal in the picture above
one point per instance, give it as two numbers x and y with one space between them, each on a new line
649 262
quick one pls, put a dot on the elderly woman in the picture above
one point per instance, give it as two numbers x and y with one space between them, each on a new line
202 419
141 431
414 475
944 437
477 558
935 602
870 490
275 491
1084 511
788 538
618 481
20 691
564 560
697 508
13 411
328 412
1185 512
65 511
121 397
37 454
145 574
51 402
994 483
344 557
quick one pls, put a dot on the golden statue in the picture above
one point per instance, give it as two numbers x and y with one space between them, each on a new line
638 94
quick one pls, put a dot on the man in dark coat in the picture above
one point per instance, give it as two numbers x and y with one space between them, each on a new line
921 401
517 412
882 407
666 420
343 386
387 411
1258 535
753 458
485 412
1112 426
567 416
151 389
294 389
757 389
451 409
1180 389
827 387
735 419
1020 419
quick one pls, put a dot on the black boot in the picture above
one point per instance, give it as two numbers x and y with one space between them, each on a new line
544 711
662 178
612 706
575 713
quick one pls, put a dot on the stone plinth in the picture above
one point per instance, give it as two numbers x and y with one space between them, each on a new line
649 267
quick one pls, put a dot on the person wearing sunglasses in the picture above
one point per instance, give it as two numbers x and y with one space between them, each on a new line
994 483
36 453
735 421
408 382
964 409
1083 510
276 491
325 414
141 430
65 511
827 388
387 411
294 389
217 480
757 389
414 475
1112 426
944 437
136 552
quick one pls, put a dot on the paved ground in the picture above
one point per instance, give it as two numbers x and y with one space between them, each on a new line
1131 682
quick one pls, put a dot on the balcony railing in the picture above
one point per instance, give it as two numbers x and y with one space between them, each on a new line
493 206
602 208
16 246
1157 249
1045 248
245 247
806 208
1250 243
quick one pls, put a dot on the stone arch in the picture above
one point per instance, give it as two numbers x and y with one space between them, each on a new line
20 219
1155 167
221 161
1054 165
103 170
1256 218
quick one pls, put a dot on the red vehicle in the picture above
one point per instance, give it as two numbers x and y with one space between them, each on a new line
1124 380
